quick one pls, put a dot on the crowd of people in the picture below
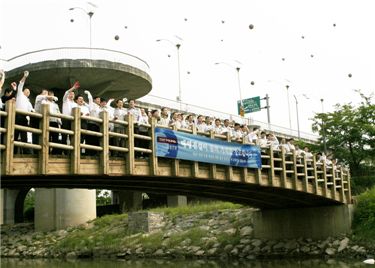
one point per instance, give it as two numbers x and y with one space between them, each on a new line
117 112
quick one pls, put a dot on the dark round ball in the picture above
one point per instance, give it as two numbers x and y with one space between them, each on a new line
71 20
126 27
312 56
334 25
117 37
302 37
251 26
283 59
169 56
350 75
252 83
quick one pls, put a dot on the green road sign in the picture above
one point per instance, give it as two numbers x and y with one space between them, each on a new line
250 105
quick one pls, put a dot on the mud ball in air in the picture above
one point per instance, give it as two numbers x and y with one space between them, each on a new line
252 83
71 20
349 75
334 25
283 59
251 26
117 37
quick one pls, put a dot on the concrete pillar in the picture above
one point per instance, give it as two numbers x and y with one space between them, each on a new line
8 200
315 223
1 206
60 208
130 200
176 200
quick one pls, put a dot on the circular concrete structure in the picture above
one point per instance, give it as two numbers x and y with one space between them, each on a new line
106 73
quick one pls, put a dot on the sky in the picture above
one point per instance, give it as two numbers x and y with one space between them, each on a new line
321 49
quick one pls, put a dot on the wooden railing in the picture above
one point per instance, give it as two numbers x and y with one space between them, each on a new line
279 168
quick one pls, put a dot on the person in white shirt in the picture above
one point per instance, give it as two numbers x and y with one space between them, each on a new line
201 125
53 121
189 122
95 110
273 141
67 108
134 111
227 128
307 153
34 121
119 114
175 120
218 128
110 110
2 79
284 145
252 137
164 118
237 132
85 111
23 103
262 141
183 121
143 120
209 123
290 143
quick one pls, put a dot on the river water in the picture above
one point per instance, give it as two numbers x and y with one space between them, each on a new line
311 263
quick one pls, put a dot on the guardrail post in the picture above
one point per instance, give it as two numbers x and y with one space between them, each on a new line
104 155
229 168
271 171
9 136
213 166
342 190
315 174
175 162
195 167
244 169
349 194
153 157
306 176
295 170
333 189
75 140
283 166
44 140
325 189
130 166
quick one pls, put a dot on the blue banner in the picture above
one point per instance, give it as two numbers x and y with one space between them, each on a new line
180 145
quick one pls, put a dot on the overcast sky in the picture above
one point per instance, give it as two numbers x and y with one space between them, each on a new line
321 42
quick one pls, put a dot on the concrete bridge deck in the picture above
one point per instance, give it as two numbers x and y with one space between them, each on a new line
284 180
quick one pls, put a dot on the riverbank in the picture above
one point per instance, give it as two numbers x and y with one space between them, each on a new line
217 231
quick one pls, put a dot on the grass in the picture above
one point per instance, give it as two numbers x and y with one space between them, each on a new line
196 208
364 216
111 231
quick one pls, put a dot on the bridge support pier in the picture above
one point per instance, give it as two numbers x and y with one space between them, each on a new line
60 208
176 200
130 200
314 223
8 199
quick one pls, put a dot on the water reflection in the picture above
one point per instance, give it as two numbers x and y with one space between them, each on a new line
31 263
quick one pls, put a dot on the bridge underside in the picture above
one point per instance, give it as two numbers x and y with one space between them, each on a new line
264 197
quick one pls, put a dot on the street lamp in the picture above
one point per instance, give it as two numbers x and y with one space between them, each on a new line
239 81
323 129
290 120
178 45
90 14
299 134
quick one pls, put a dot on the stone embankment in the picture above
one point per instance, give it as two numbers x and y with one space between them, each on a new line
216 234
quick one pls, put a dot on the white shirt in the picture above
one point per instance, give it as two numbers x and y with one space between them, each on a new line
53 108
68 104
218 129
163 121
143 119
22 102
135 112
119 113
202 127
252 137
84 109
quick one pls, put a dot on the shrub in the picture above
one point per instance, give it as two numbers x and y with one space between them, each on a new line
364 216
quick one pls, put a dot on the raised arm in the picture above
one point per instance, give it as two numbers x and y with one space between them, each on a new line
74 87
2 73
22 82
89 96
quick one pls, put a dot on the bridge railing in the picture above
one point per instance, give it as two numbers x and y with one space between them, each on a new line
127 143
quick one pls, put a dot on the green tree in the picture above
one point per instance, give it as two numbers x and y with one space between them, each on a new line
103 197
349 132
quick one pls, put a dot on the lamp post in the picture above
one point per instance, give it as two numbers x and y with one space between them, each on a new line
290 120
239 82
299 134
90 14
178 46
323 129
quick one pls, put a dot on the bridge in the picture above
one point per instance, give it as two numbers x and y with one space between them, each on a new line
283 181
